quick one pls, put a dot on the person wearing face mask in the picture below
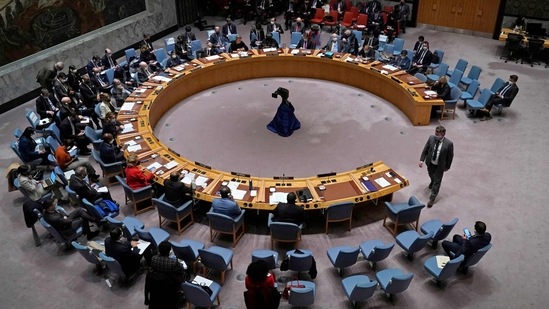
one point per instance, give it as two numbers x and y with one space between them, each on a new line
238 45
119 92
334 44
183 45
109 151
422 60
273 26
298 26
442 88
111 125
73 78
95 62
403 11
174 60
229 28
46 104
62 89
503 96
218 40
257 35
269 42
438 155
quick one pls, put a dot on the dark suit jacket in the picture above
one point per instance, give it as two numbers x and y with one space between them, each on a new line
417 46
426 60
509 95
310 44
473 244
110 153
66 129
42 106
343 6
290 213
446 152
83 189
443 90
226 27
123 252
105 62
270 28
89 92
340 46
176 193
59 223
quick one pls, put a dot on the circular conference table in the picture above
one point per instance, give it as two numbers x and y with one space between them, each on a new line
147 104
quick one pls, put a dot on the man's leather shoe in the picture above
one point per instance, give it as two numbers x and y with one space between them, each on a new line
431 185
430 203
92 235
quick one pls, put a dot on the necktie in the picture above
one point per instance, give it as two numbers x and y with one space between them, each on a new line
111 62
422 56
304 44
147 72
370 40
334 47
52 107
435 151
73 129
502 93
101 82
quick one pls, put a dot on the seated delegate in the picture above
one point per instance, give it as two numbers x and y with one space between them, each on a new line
226 204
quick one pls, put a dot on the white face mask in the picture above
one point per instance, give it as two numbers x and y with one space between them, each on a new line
334 39
272 22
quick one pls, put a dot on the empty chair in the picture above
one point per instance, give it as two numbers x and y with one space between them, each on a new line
98 213
300 260
398 46
33 119
474 74
160 54
389 49
217 259
187 250
475 105
403 213
339 212
301 296
196 45
114 267
128 225
223 224
109 73
130 53
95 136
154 235
440 54
471 92
361 22
169 45
375 251
421 77
498 83
439 229
460 65
54 130
474 259
141 198
319 17
276 37
347 21
412 242
444 273
455 78
450 105
73 197
53 143
172 214
343 256
393 281
359 288
109 169
294 39
514 45
89 256
198 297
284 232
535 48
269 256
439 72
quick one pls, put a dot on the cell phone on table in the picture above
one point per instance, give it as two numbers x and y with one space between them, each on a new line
467 233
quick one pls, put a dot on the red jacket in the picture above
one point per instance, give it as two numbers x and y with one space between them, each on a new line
136 178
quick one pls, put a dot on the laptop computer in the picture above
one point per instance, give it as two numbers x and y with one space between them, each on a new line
48 182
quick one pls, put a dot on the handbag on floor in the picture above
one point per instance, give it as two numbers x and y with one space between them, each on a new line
292 284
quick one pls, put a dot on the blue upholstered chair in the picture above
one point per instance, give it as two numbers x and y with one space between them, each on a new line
109 169
276 37
343 256
444 273
412 242
474 105
17 185
154 235
474 259
294 39
160 54
217 259
15 147
403 213
375 251
89 256
300 261
172 214
33 118
393 281
285 232
398 46
114 267
460 65
52 142
439 229
339 212
198 297
54 129
302 296
474 74
421 77
439 72
187 250
440 54
128 225
470 93
269 256
223 224
141 198
455 78
196 46
451 104
58 237
130 53
359 288
498 82
95 136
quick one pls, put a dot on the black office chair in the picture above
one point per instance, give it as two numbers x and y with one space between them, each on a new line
514 45
535 47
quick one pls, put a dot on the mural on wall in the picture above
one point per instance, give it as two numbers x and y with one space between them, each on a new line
29 26
537 9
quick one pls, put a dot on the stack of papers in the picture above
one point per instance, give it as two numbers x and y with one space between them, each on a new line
389 67
142 245
134 148
233 185
131 142
382 182
188 178
154 165
128 127
179 68
430 92
214 57
238 194
442 260
269 50
295 51
160 78
127 106
171 165
235 55
278 197
202 281
201 181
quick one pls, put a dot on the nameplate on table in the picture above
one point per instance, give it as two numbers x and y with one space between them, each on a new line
196 69
219 61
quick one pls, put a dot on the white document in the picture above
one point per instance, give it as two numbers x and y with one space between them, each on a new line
235 55
73 151
278 197
389 67
188 178
382 182
238 194
295 51
269 50
159 78
179 68
430 92
128 127
68 174
442 260
202 281
171 165
214 57
127 106
233 185
384 72
44 121
154 165
102 189
142 245
134 148
201 181
85 119
131 142
253 193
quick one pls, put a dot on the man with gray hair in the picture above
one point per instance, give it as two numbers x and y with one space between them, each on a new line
46 75
437 154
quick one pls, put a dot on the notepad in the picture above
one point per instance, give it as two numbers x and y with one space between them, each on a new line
154 165
430 92
238 194
269 50
214 57
442 260
188 178
171 165
278 197
134 148
102 189
128 127
382 182
202 281
142 245
131 142
201 181
127 106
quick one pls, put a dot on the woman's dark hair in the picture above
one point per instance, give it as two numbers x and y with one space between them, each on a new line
28 132
258 271
23 170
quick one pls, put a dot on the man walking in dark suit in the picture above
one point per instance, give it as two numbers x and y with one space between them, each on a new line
438 154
